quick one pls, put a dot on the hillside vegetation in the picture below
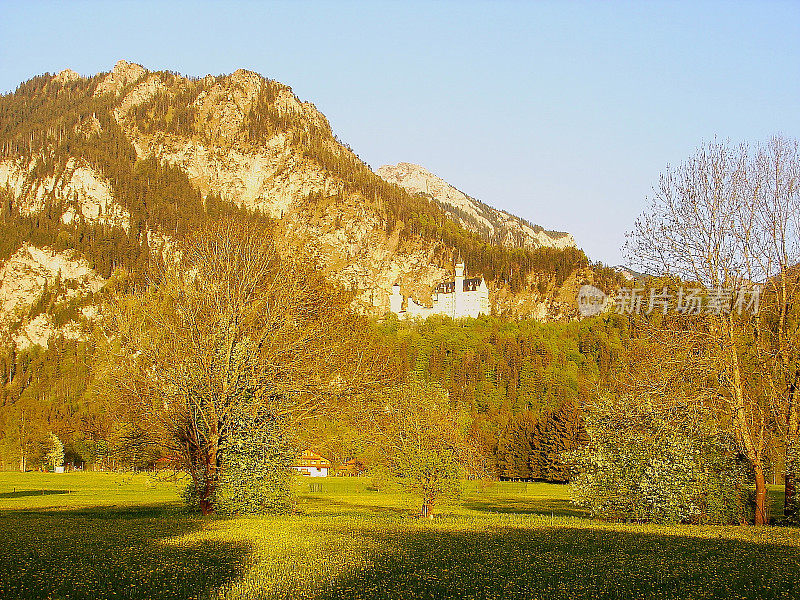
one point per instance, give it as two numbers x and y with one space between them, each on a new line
517 386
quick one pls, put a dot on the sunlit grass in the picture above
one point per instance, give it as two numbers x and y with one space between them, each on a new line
125 536
33 491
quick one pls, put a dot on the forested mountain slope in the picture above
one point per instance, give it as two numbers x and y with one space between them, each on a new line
116 168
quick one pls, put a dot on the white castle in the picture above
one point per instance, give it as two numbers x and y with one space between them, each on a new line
455 299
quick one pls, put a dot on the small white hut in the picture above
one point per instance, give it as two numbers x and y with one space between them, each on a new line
311 464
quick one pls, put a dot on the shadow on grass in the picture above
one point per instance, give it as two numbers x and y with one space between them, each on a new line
348 508
535 506
563 563
25 493
109 552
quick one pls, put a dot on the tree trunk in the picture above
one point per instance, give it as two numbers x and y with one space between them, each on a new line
752 450
206 507
22 442
790 491
427 509
792 458
209 485
761 496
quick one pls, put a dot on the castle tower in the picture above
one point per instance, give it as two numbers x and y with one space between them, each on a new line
459 304
396 300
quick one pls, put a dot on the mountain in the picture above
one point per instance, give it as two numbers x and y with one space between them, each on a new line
629 274
106 174
496 226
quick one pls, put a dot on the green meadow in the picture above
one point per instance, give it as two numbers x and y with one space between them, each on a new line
100 535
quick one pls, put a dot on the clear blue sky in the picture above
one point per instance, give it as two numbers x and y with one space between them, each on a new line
562 112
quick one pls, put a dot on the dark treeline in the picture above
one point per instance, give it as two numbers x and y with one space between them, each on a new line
518 386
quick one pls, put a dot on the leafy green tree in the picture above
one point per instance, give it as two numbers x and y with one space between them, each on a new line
255 465
423 444
55 454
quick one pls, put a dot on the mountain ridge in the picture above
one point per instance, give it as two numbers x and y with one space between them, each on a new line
496 225
119 166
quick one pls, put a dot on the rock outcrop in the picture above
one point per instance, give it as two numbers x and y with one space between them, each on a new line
124 73
41 276
81 190
66 76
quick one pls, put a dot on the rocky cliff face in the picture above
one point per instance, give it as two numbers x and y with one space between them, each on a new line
275 178
497 226
250 142
43 293
78 190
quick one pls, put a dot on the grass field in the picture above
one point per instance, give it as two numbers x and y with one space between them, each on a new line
97 535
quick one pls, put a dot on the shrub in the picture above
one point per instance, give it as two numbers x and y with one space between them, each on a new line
657 463
792 507
254 463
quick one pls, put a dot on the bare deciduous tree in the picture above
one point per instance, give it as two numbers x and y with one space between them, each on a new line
233 325
775 185
727 219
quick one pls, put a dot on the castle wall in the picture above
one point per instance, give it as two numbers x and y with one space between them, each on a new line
473 303
456 304
444 304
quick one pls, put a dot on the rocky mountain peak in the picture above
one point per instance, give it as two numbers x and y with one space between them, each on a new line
497 226
66 76
161 154
124 73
